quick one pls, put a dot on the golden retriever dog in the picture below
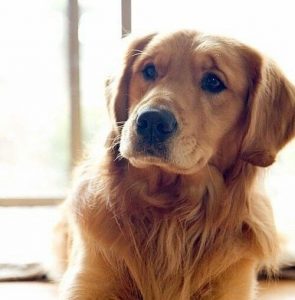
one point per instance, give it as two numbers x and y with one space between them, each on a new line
171 211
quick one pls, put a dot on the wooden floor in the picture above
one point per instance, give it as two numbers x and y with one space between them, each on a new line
283 290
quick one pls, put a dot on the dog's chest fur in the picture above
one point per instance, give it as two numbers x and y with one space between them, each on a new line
166 235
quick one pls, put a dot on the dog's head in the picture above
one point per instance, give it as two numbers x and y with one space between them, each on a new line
184 100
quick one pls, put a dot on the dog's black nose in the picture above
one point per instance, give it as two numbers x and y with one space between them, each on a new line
155 125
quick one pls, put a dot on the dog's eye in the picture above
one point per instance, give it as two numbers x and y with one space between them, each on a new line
149 72
212 84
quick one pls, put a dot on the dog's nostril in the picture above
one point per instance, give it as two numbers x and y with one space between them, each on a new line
142 123
155 125
166 128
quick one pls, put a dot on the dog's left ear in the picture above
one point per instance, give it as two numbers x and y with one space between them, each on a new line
117 87
270 111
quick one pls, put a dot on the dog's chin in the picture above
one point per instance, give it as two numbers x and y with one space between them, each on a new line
145 161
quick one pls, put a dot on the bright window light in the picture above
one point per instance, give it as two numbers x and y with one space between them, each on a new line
100 39
34 99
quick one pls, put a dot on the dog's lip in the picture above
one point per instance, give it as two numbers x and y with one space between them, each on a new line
142 161
153 150
144 150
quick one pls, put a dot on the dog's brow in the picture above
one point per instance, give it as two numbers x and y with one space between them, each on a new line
137 52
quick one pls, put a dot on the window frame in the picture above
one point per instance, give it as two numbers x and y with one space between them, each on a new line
73 57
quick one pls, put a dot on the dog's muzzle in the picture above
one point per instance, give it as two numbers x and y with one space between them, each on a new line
155 125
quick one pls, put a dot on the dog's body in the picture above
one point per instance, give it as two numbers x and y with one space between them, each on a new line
170 210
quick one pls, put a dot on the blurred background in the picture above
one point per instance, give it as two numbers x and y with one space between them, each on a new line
54 57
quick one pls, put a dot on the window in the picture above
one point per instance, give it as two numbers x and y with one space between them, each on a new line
51 106
34 113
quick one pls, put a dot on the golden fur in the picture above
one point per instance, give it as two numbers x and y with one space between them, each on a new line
187 224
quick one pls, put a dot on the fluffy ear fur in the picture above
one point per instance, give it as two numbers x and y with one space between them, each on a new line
117 87
271 112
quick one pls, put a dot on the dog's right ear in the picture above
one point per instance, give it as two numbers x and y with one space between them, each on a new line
117 87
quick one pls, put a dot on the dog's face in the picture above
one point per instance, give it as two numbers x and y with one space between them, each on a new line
188 98
186 93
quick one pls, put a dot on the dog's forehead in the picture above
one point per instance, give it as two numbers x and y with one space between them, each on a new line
191 44
176 44
186 42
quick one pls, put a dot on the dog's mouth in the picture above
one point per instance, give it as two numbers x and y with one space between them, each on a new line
146 149
145 153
